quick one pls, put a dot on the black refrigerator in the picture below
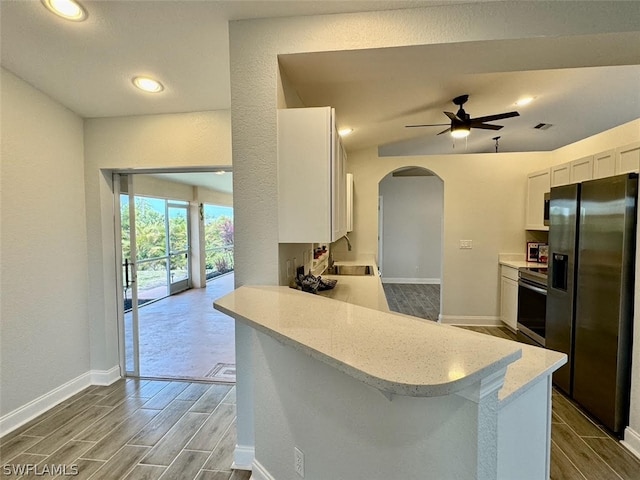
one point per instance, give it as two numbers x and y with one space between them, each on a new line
592 237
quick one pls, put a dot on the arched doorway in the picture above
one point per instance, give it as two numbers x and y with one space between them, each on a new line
411 206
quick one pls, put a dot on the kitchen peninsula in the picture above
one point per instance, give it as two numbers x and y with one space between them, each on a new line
364 393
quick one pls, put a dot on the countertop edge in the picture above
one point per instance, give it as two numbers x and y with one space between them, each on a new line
381 384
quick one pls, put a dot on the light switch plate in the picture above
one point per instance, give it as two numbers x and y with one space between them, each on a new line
466 244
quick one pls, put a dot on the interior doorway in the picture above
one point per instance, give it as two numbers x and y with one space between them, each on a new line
176 255
410 231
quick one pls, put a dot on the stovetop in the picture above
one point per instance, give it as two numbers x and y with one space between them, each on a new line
535 274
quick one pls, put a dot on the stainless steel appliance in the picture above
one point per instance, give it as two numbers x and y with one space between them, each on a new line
590 293
532 304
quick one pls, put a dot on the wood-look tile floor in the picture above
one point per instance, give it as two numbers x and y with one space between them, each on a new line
419 300
149 430
132 430
581 449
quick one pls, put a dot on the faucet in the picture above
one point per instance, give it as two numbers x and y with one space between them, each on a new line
330 266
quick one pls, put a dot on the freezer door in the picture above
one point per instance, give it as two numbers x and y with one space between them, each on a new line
604 298
563 234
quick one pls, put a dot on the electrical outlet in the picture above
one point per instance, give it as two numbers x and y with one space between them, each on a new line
466 244
298 461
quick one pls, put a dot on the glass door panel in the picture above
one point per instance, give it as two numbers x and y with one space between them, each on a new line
178 234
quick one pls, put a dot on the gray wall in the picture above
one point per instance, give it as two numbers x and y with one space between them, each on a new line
44 332
412 228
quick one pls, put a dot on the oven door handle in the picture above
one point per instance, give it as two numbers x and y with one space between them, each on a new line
542 291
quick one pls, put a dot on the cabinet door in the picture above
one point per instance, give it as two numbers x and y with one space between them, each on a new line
339 194
628 158
560 174
305 156
582 169
604 164
509 302
538 183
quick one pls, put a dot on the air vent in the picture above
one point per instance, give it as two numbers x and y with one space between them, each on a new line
543 126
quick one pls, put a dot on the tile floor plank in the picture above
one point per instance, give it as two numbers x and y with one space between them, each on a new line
161 424
186 465
579 453
86 468
151 388
121 463
68 453
210 400
146 472
194 391
52 442
167 395
213 475
213 428
561 466
623 462
240 475
573 417
118 437
222 457
111 420
231 397
16 446
174 441
62 416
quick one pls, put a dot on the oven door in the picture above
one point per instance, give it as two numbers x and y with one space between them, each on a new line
532 309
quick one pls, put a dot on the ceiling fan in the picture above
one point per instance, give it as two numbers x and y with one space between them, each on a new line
462 123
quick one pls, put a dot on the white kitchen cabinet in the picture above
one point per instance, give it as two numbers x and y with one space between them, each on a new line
582 169
349 202
509 296
560 174
628 158
538 183
604 164
311 177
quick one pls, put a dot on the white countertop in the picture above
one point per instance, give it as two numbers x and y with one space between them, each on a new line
516 260
363 290
396 354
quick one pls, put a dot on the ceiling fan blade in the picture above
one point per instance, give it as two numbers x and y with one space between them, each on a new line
453 116
486 126
427 125
445 131
490 118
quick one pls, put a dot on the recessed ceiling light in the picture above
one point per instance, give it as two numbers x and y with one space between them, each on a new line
220 172
148 84
345 131
524 101
68 9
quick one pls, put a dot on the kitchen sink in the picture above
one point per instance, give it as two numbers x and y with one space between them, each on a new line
350 270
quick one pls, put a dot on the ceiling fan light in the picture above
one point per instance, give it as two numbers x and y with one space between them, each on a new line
460 131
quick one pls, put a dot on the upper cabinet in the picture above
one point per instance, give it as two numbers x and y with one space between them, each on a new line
604 164
582 169
560 174
538 183
628 158
312 194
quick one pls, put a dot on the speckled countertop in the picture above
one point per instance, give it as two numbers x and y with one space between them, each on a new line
394 353
363 290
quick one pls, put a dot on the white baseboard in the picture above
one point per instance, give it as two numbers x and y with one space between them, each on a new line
417 281
632 441
260 473
105 377
471 320
31 410
243 457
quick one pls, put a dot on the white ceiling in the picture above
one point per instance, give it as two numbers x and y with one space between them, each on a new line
583 85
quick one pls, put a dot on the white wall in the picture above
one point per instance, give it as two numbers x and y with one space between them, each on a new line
412 228
44 332
200 139
254 47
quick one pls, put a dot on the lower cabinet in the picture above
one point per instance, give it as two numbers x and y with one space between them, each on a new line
509 296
